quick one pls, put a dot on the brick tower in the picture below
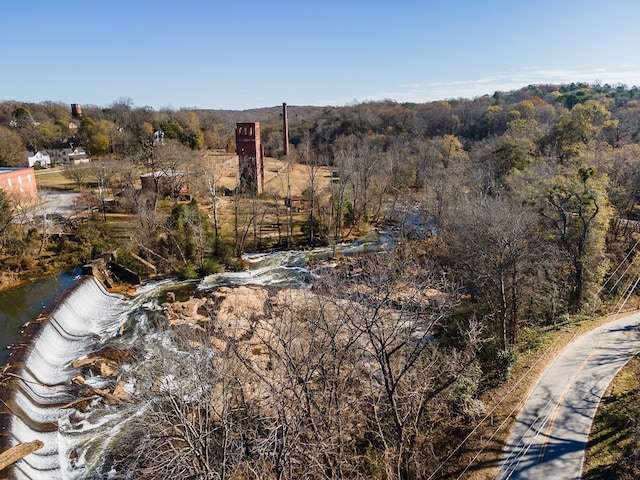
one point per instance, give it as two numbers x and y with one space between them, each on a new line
250 157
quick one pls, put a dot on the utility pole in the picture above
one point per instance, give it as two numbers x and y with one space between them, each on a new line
285 149
285 130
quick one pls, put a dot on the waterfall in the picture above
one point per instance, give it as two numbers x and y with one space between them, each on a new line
79 324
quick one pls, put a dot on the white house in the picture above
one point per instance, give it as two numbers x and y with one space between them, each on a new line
39 159
74 155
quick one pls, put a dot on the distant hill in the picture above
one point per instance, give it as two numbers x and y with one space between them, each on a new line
265 114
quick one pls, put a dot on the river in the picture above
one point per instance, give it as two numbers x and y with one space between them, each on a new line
89 318
21 305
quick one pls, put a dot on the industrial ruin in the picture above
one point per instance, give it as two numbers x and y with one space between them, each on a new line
250 157
251 153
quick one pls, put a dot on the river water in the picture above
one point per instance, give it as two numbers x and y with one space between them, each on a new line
23 304
87 319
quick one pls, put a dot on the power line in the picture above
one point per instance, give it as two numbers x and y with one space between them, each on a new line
628 292
520 380
521 454
619 265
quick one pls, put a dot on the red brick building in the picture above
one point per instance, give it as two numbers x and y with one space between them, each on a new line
250 157
18 183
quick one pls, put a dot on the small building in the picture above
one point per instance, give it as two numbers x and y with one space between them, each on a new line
74 156
18 184
158 137
294 202
39 159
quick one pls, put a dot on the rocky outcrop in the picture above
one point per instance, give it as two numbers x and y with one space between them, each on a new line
111 396
107 363
104 363
191 311
238 308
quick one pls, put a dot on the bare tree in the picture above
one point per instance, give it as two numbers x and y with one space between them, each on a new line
11 148
400 307
103 172
311 160
345 161
334 383
190 426
166 165
6 218
205 176
312 381
495 248
78 173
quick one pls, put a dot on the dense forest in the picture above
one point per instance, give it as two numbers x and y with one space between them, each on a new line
521 209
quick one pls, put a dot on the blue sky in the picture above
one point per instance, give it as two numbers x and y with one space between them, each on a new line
240 54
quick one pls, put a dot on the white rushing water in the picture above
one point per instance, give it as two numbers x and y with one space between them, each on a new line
290 268
78 325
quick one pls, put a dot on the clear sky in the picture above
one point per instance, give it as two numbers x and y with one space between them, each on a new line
241 54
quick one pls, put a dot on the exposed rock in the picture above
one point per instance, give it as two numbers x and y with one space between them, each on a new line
237 309
217 344
189 311
99 366
120 393
105 362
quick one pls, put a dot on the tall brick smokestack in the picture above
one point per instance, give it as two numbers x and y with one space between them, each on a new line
285 130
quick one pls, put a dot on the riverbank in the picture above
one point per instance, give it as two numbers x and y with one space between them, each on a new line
11 280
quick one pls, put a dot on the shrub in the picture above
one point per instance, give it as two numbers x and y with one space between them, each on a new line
188 271
236 264
210 266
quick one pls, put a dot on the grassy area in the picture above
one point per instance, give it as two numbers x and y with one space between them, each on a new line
612 431
278 176
54 179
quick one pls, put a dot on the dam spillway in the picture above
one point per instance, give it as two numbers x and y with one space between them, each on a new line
37 378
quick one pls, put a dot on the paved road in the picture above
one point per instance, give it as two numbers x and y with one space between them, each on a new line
549 438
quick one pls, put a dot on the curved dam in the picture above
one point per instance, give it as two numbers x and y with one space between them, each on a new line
37 385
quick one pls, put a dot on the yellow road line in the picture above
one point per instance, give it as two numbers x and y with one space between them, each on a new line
556 410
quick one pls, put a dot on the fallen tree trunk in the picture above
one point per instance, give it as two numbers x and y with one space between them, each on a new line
11 456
